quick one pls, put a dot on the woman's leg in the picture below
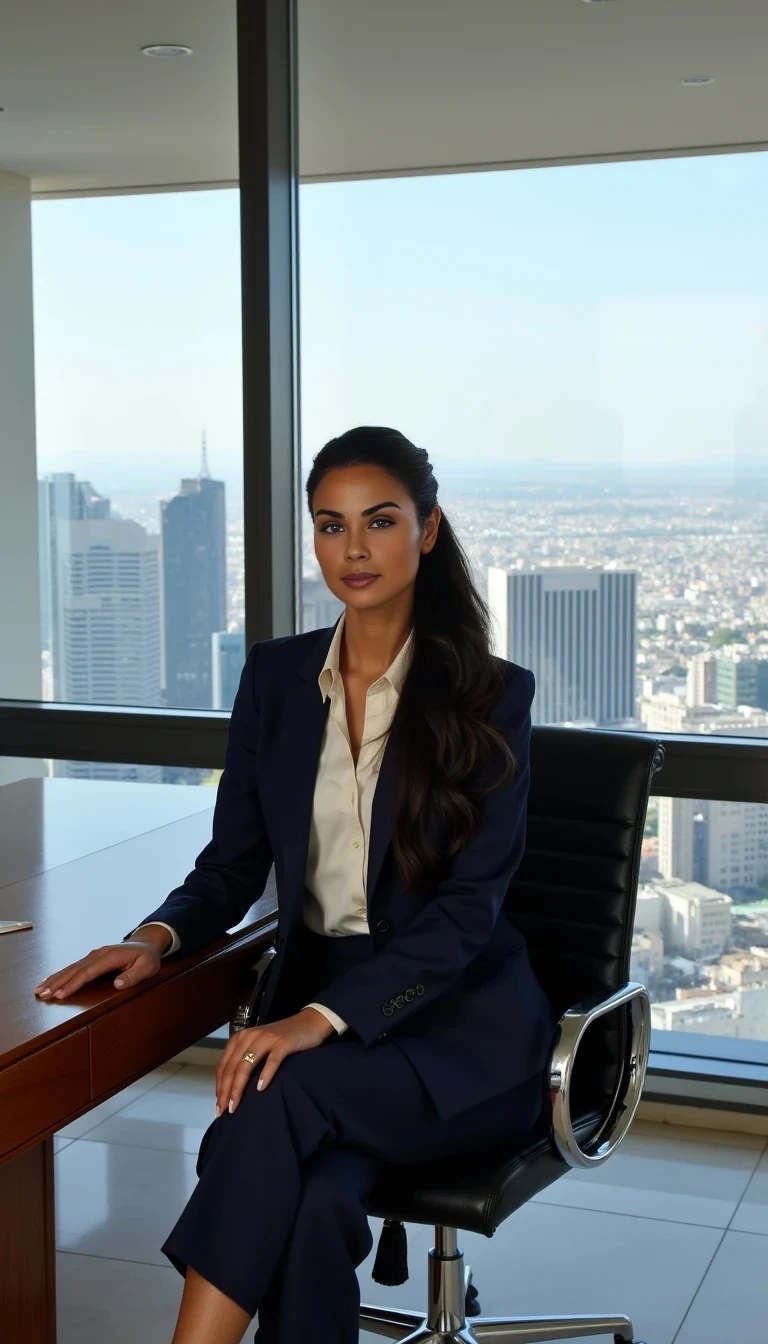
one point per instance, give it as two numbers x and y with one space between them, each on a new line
236 1226
207 1316
315 1281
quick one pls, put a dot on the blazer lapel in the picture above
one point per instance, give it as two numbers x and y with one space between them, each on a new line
306 717
382 818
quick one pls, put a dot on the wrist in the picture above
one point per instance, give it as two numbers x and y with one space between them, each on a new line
155 934
322 1020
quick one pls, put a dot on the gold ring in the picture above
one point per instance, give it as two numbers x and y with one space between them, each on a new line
250 1058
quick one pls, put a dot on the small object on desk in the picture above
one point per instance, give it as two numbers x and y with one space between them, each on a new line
14 925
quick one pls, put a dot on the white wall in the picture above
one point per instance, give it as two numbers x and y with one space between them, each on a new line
19 579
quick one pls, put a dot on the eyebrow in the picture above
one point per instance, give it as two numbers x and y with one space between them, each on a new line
364 513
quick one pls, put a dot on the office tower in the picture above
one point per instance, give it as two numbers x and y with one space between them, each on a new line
108 618
227 658
702 680
736 844
720 843
676 830
741 680
319 607
107 626
575 628
61 499
195 586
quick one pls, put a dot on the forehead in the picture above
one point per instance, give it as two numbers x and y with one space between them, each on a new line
358 487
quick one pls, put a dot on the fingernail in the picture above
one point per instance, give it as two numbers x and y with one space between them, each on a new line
59 994
260 1085
231 1106
44 992
218 1111
119 984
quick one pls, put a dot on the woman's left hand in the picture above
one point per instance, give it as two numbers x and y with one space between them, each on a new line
273 1042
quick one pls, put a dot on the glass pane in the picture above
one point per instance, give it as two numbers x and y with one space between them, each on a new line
582 351
701 930
123 477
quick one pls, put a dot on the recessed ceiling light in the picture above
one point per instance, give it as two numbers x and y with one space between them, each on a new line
166 49
693 81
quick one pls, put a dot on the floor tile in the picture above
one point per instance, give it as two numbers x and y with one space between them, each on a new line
673 1178
77 1128
118 1201
175 1114
752 1213
732 1138
102 1300
549 1260
731 1306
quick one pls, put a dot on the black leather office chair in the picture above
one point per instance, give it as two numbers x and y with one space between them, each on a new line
573 897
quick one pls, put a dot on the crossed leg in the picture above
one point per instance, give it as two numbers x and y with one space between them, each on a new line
330 1237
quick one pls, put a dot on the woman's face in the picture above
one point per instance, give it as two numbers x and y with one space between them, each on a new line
366 523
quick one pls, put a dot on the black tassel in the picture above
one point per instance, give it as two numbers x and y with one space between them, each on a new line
391 1263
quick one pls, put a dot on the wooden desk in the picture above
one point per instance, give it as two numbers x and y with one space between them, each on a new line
84 861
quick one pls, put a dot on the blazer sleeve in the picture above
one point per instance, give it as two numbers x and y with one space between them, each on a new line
231 872
431 952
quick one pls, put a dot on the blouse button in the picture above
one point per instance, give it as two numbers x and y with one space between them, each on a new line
355 844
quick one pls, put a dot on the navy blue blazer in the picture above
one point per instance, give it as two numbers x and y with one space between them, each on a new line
451 983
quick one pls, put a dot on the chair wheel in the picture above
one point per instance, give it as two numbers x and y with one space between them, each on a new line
471 1303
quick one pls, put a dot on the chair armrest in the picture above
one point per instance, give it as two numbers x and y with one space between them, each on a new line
572 1028
246 1011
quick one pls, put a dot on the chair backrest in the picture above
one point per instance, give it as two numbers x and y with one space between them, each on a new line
574 894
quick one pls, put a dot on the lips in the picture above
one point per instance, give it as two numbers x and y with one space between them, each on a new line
359 580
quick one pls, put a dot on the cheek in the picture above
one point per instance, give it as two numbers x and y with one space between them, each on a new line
398 549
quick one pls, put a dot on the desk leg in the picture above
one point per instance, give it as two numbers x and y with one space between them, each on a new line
28 1248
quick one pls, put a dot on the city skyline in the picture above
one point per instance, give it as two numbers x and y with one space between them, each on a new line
455 307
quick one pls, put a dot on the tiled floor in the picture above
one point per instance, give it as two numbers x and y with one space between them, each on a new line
673 1230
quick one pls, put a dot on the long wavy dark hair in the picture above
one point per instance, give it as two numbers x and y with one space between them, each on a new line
443 738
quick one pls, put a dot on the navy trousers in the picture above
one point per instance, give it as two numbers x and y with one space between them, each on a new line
278 1218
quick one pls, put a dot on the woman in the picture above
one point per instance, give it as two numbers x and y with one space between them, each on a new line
382 765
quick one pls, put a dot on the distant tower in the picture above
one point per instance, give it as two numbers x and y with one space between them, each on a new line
205 474
106 626
575 628
62 500
195 585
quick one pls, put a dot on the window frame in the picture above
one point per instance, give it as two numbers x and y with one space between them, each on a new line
720 768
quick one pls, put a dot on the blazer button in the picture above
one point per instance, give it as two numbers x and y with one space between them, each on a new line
399 1001
409 994
386 1010
419 989
383 926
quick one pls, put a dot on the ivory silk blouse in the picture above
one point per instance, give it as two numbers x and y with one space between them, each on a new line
335 901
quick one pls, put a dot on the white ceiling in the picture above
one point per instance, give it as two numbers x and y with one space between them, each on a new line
386 86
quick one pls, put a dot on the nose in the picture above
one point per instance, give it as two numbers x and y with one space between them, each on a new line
356 550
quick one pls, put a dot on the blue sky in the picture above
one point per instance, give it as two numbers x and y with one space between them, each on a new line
584 314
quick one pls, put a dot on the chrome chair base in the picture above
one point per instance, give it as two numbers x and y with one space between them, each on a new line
445 1321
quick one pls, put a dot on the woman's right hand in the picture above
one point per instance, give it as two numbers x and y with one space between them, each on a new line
138 958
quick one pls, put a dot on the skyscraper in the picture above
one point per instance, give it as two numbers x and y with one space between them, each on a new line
195 586
106 626
319 607
107 620
575 628
741 680
227 658
61 499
